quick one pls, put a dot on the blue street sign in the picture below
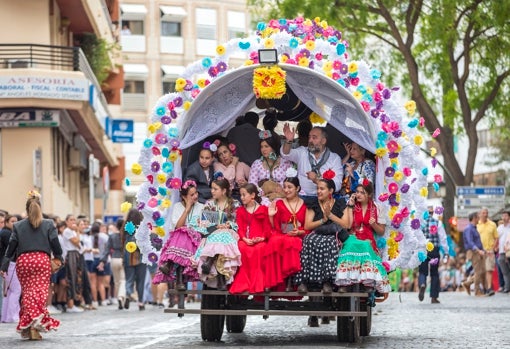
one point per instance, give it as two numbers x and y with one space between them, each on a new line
475 191
122 130
111 219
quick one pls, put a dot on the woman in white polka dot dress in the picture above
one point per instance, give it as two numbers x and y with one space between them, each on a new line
33 240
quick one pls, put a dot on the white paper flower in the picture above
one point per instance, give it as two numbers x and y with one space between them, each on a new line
291 172
213 147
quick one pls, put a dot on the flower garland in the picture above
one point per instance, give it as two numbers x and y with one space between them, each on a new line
320 47
269 82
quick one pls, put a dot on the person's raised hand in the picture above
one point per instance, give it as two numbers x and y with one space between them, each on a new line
289 132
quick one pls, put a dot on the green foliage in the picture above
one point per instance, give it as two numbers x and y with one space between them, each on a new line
451 55
97 52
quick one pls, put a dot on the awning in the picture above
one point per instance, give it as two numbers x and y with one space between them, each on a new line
135 71
133 12
172 72
172 13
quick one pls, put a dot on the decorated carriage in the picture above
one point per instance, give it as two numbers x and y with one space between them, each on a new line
299 69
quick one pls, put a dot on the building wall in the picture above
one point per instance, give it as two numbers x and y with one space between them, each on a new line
36 14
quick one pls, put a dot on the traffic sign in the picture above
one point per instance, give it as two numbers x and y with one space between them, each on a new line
477 191
481 202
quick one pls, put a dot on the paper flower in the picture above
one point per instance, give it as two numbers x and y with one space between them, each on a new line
131 247
329 174
269 82
129 227
220 50
152 257
136 168
291 172
316 118
430 246
125 207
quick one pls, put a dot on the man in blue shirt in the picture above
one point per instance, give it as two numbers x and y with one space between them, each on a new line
475 252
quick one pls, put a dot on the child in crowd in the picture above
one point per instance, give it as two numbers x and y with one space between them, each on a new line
218 255
201 172
254 230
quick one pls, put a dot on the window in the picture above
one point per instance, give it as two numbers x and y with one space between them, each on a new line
132 28
170 28
134 86
236 24
60 158
206 24
484 138
168 87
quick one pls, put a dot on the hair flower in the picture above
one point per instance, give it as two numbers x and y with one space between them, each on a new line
264 134
232 148
189 183
329 174
217 175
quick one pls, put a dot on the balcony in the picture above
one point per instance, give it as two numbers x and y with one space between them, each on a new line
56 77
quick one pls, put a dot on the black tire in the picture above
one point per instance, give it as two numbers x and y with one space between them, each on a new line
211 326
365 324
347 328
235 323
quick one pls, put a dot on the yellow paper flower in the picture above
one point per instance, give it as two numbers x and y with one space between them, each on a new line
398 176
125 206
159 231
317 20
303 62
201 83
433 151
284 58
370 90
154 127
307 22
166 203
131 247
180 84
393 161
410 107
328 66
316 118
136 169
173 156
310 45
161 177
269 82
220 50
357 95
430 246
418 139
424 192
186 105
248 62
380 152
324 24
269 43
353 67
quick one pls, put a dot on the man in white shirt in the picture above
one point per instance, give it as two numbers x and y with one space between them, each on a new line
312 161
504 235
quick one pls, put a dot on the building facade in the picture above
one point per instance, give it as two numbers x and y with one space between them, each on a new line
159 39
53 110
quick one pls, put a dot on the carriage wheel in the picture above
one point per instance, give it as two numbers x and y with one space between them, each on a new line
348 328
235 323
365 322
211 326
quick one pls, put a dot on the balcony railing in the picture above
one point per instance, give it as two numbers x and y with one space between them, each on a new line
49 57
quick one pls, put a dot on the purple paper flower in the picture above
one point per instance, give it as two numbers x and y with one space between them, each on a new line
404 188
222 66
415 223
392 199
155 166
166 119
140 206
439 210
153 191
178 101
156 240
152 257
156 215
389 172
386 93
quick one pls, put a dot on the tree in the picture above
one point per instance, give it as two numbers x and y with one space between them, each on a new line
454 53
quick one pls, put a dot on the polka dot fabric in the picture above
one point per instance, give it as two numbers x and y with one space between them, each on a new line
34 271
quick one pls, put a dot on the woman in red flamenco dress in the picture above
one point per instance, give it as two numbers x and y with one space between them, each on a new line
254 231
283 254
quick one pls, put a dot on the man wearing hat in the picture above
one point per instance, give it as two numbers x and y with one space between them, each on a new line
435 233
